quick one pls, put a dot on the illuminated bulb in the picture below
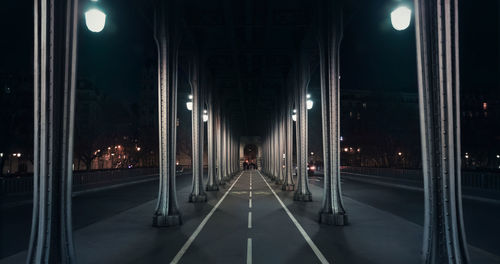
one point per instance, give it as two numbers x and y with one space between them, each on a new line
205 117
308 96
294 117
190 97
400 18
310 104
189 106
95 20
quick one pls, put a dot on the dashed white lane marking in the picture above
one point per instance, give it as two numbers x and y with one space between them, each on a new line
250 203
309 241
250 187
250 194
249 251
249 219
200 227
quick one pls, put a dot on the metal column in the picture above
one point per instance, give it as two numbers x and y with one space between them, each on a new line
330 37
436 24
302 193
166 37
198 192
212 184
55 50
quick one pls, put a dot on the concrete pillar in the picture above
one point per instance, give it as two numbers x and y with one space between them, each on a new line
198 192
330 36
55 50
166 37
436 23
302 193
212 183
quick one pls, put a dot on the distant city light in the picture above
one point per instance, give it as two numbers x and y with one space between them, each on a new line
466 156
95 20
341 138
399 153
177 163
498 156
138 148
400 18
346 149
1 155
485 106
359 150
312 153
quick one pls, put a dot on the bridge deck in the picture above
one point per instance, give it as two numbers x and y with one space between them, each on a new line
374 236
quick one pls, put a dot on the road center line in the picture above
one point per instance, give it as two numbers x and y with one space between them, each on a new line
200 227
250 194
249 219
250 203
249 251
309 241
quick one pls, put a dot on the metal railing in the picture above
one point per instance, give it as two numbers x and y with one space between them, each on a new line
470 179
24 184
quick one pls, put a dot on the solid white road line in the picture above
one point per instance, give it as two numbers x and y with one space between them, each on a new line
250 203
309 241
249 251
200 227
249 219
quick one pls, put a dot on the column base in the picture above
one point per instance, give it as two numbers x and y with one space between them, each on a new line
200 198
278 182
288 187
167 220
301 197
333 219
212 188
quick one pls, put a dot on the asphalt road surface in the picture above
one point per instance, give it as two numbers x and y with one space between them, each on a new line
250 223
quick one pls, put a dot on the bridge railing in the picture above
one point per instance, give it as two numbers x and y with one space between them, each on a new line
470 179
24 184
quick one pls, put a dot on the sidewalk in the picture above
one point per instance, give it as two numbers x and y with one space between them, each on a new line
373 236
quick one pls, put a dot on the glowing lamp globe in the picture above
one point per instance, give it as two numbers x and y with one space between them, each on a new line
95 20
400 18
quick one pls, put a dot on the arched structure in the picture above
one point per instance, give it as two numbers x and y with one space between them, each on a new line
250 151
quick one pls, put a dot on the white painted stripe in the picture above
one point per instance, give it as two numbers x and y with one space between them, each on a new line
200 227
250 203
250 187
250 194
309 241
249 251
249 219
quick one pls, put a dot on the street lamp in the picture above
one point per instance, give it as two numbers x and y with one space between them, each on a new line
205 115
95 19
400 18
309 102
294 115
189 104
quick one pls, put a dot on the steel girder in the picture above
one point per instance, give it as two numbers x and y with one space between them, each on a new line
436 24
167 41
330 37
55 49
